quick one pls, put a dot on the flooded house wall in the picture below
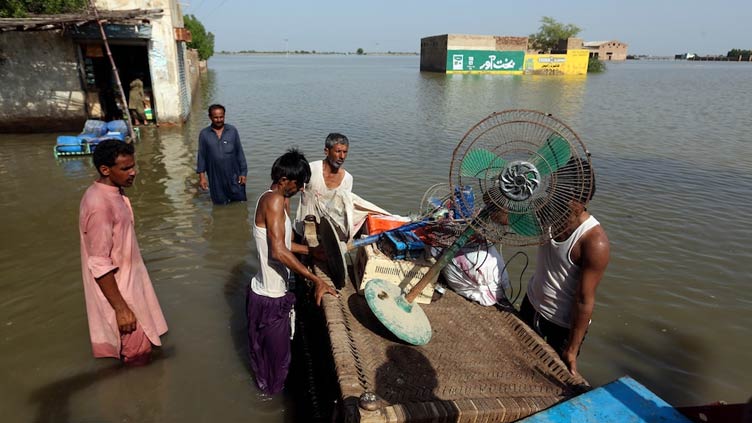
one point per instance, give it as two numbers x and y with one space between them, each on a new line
465 53
44 89
164 57
40 84
192 63
608 50
573 62
614 50
485 54
433 51
491 54
571 43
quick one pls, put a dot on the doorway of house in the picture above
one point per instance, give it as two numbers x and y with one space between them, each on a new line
102 95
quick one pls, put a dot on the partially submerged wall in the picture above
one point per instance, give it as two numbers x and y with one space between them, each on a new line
467 53
486 42
41 86
433 53
491 54
574 62
193 66
485 53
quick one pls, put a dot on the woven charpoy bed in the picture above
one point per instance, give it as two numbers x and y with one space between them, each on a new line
482 364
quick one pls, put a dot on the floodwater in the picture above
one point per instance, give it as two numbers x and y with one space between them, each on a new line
670 144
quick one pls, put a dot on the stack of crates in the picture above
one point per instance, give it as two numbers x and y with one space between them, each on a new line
371 263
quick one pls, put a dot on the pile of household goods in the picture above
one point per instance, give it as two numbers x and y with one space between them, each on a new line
401 251
94 132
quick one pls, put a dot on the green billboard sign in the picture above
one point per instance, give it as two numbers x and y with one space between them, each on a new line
485 61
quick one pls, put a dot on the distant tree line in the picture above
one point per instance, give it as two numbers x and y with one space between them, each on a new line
737 52
24 8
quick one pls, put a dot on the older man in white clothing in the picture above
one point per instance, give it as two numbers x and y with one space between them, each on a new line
328 178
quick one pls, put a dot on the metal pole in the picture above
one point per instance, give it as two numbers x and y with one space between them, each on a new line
115 71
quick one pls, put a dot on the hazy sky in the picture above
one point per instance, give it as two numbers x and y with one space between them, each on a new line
656 27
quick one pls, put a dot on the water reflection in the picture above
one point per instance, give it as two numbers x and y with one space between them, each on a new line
453 100
53 401
113 390
75 167
685 370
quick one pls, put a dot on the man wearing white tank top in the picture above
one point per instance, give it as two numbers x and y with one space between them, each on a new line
561 294
269 301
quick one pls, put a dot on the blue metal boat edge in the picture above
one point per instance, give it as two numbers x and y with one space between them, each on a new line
623 400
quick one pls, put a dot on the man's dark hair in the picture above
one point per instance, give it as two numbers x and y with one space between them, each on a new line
335 138
585 178
216 106
293 166
107 151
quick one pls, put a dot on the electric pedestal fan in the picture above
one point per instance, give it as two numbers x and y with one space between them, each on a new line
523 169
435 198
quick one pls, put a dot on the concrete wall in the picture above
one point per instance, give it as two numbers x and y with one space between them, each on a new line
194 69
574 62
163 55
570 44
488 54
433 53
611 50
41 85
486 42
434 49
470 42
511 43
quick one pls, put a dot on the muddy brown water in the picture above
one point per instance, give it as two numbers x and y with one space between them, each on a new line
671 148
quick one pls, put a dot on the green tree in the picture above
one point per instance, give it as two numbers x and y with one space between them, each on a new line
549 34
23 8
595 66
738 52
359 51
201 40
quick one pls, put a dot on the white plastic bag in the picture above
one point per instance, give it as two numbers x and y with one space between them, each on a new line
476 274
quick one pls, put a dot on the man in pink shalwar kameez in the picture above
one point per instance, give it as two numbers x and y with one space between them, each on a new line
125 319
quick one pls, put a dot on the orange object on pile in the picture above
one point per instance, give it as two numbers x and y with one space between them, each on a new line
378 223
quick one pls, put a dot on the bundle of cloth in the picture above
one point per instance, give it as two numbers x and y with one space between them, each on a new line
345 209
477 273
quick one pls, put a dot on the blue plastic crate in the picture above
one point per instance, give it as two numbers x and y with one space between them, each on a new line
95 127
118 126
69 144
401 245
68 140
112 136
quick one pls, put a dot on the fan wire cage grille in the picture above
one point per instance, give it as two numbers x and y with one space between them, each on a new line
515 175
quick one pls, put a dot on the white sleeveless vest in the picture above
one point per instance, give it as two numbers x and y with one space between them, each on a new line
553 287
273 276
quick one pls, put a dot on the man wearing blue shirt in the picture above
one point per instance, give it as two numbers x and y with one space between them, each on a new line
221 158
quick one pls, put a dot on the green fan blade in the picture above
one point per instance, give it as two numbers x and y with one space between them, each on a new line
477 162
555 153
525 224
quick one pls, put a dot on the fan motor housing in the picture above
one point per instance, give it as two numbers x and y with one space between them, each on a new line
519 180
